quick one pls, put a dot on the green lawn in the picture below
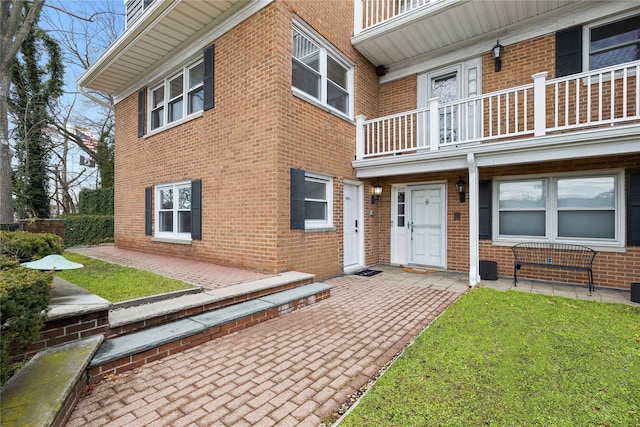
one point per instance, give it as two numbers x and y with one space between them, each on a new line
514 359
116 283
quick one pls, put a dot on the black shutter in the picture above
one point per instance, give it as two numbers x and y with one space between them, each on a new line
569 51
148 211
297 199
141 93
484 210
209 55
633 208
196 209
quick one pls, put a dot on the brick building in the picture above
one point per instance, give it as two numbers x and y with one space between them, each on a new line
255 133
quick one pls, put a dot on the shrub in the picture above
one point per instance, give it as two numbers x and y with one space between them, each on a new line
24 297
95 202
23 246
87 229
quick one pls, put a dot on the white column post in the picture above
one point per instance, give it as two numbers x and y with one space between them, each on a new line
434 124
474 263
539 104
357 17
360 137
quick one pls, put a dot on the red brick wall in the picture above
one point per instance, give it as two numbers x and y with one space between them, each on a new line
519 62
611 269
398 95
243 149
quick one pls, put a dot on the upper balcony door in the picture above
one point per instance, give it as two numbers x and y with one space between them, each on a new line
448 85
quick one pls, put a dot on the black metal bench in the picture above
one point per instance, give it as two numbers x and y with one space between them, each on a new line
554 255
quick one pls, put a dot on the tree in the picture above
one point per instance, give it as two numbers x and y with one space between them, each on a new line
82 40
13 31
37 82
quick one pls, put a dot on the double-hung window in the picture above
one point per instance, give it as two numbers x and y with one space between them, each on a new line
613 43
560 208
318 201
320 73
173 210
178 96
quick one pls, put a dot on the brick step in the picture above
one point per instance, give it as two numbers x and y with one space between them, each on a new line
134 318
132 350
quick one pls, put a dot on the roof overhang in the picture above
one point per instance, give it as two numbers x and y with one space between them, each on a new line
449 25
166 28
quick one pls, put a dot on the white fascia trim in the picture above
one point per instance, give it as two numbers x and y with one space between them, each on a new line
130 35
591 143
575 14
193 49
404 20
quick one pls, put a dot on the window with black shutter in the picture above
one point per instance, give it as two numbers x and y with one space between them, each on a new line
633 208
569 51
209 74
484 210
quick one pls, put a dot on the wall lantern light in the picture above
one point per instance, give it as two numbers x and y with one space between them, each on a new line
375 194
497 52
461 187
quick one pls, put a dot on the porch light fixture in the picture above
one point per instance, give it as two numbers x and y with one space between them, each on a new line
375 194
461 187
497 52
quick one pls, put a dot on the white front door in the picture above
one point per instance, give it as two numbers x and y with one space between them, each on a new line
399 225
427 228
353 227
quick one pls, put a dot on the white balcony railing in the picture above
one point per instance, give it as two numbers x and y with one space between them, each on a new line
369 13
604 97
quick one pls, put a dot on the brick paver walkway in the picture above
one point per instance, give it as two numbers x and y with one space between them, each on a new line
207 275
291 371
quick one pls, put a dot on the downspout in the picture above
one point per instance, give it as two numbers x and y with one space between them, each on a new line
93 98
474 275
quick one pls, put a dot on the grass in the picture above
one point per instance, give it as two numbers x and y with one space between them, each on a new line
117 283
514 359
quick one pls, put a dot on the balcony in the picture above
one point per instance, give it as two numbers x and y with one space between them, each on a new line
392 31
604 98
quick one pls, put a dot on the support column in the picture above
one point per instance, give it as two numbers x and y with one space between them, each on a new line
360 137
474 263
539 104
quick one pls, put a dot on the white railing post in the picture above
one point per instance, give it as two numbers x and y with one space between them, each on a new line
539 104
360 137
434 124
357 16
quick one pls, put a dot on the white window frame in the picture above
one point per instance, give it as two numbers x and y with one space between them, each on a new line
586 36
551 210
175 235
327 223
187 90
325 50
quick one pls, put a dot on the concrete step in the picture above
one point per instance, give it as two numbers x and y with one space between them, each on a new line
132 350
47 388
130 319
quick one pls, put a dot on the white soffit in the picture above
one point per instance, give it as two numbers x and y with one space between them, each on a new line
164 27
428 29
